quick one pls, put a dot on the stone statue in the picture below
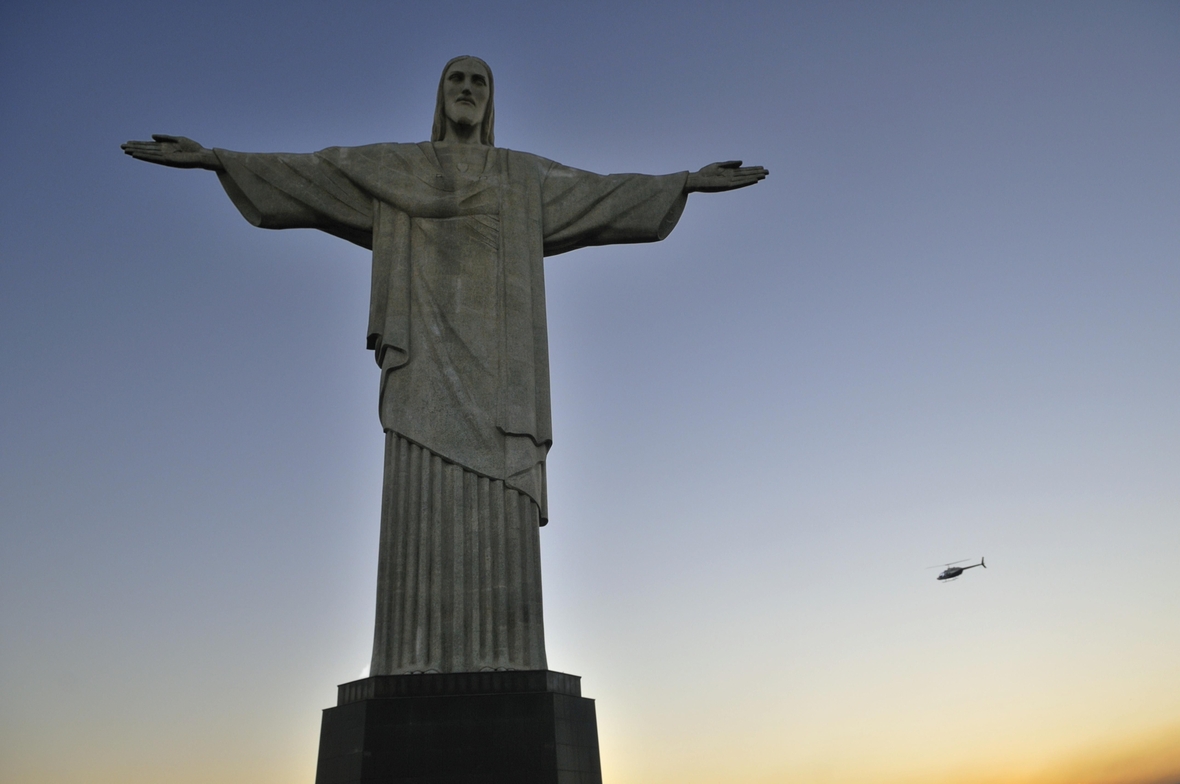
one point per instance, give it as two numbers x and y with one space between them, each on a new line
459 229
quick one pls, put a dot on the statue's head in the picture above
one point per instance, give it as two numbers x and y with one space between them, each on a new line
465 97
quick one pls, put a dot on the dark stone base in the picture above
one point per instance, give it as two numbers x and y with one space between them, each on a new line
516 727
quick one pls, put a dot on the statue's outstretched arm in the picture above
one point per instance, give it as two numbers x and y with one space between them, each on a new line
725 176
177 151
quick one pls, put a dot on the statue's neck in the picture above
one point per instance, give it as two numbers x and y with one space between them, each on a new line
462 134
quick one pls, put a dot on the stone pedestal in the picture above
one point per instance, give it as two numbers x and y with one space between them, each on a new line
515 727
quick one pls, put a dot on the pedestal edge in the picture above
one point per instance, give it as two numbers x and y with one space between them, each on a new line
378 687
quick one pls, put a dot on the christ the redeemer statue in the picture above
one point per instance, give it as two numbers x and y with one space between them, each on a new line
459 230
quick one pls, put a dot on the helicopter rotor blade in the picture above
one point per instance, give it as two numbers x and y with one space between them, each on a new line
952 563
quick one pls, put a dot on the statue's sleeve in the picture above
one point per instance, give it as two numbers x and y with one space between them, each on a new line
297 191
582 208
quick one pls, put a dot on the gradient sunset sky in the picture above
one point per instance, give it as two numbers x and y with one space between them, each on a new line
947 326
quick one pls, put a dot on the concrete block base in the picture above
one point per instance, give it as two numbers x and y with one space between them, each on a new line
515 727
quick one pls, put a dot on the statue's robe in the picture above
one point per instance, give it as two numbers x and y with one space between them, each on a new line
457 325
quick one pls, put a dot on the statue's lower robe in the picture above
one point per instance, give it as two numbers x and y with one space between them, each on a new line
459 571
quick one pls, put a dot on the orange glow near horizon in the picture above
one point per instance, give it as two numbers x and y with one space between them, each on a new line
1154 759
1147 758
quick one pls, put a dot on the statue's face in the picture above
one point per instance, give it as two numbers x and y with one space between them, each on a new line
465 93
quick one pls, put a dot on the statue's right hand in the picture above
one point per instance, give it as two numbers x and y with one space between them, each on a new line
177 151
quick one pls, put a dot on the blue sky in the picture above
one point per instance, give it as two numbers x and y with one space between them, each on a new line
946 326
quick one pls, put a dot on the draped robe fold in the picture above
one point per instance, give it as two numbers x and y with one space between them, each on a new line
457 325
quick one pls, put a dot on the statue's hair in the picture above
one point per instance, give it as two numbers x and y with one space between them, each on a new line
487 127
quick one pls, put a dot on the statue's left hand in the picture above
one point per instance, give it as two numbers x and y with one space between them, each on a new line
177 151
725 176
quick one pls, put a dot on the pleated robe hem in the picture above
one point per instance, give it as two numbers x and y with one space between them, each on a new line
459 570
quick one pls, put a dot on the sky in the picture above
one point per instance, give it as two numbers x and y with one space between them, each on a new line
945 327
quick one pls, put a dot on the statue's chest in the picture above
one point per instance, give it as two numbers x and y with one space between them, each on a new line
467 177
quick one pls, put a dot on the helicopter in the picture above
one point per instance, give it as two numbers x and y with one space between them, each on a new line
952 572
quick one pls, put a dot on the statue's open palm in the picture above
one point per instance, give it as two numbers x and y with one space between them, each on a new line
724 176
178 151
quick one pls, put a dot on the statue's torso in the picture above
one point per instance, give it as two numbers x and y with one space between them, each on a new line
456 305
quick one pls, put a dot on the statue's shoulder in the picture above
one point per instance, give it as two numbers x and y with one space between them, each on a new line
377 160
381 149
526 160
369 158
